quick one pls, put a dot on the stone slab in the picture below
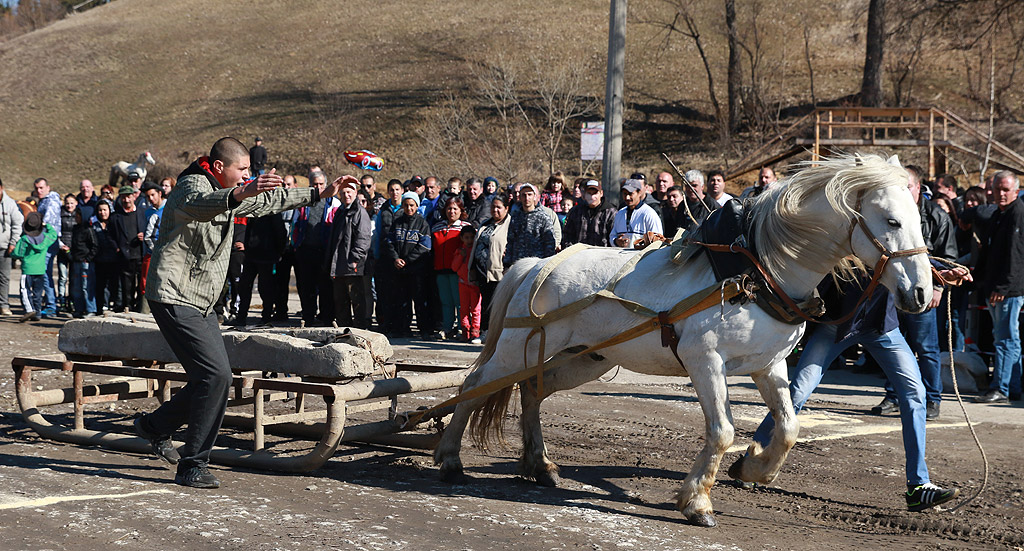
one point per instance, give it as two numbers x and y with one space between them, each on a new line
329 353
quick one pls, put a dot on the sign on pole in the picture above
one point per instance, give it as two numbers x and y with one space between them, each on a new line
592 141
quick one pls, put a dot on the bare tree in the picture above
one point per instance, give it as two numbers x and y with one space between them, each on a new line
684 24
734 77
563 98
871 83
807 59
35 14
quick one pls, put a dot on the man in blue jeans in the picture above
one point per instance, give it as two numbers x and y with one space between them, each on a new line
875 327
922 330
1002 272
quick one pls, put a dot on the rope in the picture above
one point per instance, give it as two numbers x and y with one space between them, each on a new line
960 400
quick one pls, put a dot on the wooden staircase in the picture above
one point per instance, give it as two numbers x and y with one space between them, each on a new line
831 129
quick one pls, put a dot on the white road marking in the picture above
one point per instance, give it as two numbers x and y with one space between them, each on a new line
821 420
42 502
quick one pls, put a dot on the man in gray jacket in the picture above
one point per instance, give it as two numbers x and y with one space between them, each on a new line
346 257
187 272
11 220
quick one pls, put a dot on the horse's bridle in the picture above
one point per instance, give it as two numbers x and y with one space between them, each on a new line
883 260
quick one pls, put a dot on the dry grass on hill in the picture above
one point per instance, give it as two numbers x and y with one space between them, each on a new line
317 77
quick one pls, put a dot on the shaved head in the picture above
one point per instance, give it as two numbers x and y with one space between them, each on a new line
228 151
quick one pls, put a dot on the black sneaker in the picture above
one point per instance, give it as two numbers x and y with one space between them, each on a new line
199 476
992 397
886 407
932 411
162 445
927 496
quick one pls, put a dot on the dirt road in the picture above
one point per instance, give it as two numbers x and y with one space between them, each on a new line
624 446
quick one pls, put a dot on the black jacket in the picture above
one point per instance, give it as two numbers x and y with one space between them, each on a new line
126 227
408 239
84 243
107 252
478 211
588 225
937 228
350 241
265 239
1002 258
257 157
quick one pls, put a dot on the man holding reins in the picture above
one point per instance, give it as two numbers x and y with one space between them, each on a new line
187 271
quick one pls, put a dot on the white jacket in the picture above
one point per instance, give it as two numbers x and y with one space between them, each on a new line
11 221
643 220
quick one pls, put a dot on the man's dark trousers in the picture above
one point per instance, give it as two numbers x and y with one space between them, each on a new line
350 301
196 340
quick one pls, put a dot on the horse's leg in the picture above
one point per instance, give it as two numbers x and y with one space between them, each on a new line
763 465
534 462
694 498
446 455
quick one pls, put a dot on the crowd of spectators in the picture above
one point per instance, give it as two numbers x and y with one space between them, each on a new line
428 256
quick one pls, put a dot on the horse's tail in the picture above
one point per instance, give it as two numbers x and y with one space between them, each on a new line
486 423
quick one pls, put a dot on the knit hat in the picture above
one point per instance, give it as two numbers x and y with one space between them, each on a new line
33 224
411 195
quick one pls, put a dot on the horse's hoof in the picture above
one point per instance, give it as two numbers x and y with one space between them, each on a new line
736 468
453 476
706 520
547 479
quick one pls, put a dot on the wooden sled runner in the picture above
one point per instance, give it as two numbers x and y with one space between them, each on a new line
268 397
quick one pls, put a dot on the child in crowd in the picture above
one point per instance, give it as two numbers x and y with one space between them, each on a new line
31 249
84 248
67 225
567 205
552 196
406 251
469 293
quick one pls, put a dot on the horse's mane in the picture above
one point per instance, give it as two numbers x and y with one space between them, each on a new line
783 231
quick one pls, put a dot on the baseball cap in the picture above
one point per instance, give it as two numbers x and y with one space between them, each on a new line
591 184
529 185
125 190
638 176
633 185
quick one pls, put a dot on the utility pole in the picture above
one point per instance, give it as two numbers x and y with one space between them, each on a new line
611 164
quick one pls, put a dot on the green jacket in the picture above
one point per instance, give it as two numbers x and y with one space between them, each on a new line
33 255
190 262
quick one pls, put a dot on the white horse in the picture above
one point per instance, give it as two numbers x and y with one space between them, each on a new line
122 169
803 228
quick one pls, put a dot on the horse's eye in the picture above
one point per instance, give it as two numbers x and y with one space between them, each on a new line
894 222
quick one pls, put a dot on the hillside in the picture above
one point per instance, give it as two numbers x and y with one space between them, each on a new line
317 77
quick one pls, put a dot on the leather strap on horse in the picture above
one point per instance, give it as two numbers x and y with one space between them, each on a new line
669 339
697 302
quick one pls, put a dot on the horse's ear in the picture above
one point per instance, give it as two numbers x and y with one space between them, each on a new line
895 161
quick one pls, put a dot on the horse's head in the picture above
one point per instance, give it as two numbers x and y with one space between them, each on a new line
890 224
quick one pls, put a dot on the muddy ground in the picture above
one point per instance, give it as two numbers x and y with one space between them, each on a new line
623 445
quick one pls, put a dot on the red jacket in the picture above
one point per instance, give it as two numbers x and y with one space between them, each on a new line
445 242
461 265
